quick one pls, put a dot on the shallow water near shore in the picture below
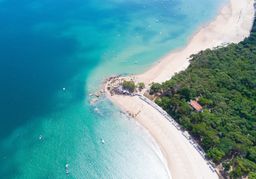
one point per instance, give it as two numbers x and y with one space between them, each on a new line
53 54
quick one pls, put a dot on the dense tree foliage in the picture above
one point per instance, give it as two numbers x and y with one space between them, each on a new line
155 88
129 85
224 83
141 86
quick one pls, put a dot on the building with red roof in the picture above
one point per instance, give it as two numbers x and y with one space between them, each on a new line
196 105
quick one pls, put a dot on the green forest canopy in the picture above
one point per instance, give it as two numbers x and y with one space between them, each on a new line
224 79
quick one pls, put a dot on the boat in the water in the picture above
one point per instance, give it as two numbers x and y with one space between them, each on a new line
40 137
67 168
102 141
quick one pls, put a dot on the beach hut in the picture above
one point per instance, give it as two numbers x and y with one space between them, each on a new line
120 90
194 104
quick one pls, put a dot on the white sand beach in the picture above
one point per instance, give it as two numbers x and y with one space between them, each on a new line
183 160
232 25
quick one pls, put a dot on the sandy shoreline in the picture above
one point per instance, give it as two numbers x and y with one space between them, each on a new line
232 25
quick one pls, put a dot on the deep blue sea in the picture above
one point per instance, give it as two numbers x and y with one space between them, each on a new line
47 46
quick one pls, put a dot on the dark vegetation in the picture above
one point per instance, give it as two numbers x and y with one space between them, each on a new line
224 80
129 85
141 86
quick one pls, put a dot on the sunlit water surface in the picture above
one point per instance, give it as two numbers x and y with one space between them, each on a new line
53 54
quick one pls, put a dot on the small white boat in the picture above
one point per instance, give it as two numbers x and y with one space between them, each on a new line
40 137
67 168
102 141
64 89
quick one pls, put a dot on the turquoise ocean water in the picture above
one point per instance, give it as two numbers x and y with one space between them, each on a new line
48 45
